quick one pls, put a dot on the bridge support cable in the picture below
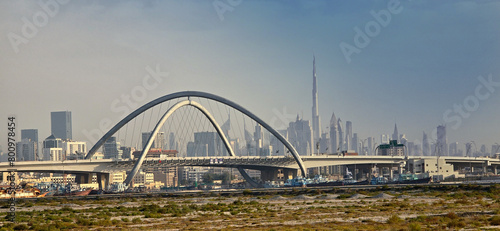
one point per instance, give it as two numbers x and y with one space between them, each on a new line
219 99
158 126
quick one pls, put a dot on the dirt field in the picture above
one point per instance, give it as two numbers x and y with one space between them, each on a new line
466 207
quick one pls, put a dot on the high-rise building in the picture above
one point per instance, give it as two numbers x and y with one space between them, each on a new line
52 149
341 136
28 147
300 136
324 144
158 142
384 139
205 144
348 135
483 150
453 150
61 126
27 150
31 134
371 145
172 144
410 146
278 146
426 148
258 136
354 143
442 144
226 126
315 110
334 141
249 148
395 135
402 139
112 149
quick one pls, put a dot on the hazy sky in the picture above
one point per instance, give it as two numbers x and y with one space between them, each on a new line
411 67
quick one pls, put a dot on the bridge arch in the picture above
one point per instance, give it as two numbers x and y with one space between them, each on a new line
162 121
183 94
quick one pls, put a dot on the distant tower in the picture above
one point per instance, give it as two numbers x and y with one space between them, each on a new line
442 146
426 148
341 135
348 135
354 143
371 143
315 111
31 134
60 122
395 135
333 134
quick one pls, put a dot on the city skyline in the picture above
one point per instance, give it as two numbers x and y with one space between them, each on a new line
89 65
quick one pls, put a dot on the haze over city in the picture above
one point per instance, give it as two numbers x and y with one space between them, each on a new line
419 64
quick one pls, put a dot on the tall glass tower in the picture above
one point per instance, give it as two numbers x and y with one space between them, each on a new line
315 111
61 127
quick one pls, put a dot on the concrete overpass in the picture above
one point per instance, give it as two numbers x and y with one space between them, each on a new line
267 165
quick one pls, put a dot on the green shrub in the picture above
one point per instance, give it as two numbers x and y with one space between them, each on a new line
495 220
21 227
394 219
414 226
136 220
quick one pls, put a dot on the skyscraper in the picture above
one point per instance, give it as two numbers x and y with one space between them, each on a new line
354 143
348 135
315 111
258 137
31 134
111 149
442 146
371 143
27 150
158 142
453 149
324 144
29 144
334 141
395 135
426 148
172 144
341 135
300 136
61 125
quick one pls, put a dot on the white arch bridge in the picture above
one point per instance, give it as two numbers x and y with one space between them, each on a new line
184 99
291 164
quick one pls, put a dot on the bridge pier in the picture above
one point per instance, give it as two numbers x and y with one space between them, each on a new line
289 173
269 175
103 180
277 174
83 178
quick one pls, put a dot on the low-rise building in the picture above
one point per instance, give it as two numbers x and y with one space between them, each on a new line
391 149
437 168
